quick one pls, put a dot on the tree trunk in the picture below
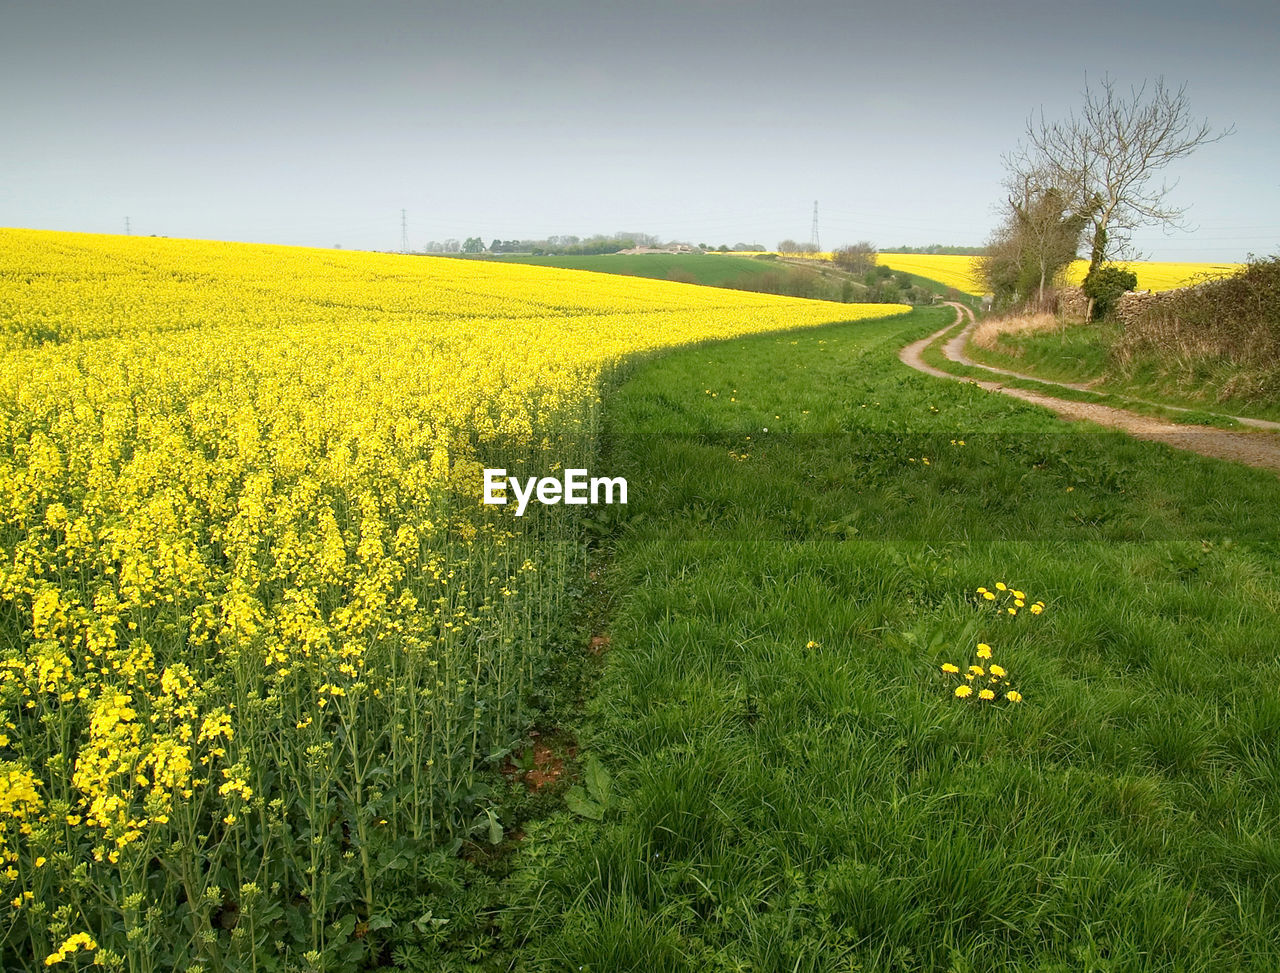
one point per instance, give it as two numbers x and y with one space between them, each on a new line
1099 248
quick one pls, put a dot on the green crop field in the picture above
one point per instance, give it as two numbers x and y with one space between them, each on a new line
716 270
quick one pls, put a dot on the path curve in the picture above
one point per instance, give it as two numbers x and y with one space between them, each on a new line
1255 447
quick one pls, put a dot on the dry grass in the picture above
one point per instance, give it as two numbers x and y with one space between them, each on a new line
987 334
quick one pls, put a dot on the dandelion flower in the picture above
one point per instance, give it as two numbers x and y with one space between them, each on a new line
986 694
977 670
948 667
998 671
989 596
963 691
1018 594
1013 696
1000 586
984 650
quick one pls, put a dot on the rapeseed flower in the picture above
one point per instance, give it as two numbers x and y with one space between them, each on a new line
243 486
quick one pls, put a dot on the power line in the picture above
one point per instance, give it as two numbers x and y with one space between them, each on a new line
813 234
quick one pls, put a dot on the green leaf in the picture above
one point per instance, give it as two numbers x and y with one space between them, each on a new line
579 803
599 783
343 928
428 921
495 829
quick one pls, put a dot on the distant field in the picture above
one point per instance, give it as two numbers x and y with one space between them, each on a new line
947 269
718 270
711 269
1155 275
957 271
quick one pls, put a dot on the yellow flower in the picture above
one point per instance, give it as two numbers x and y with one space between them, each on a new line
982 591
1037 608
998 671
1013 611
989 596
963 691
986 694
984 650
1018 594
976 671
1013 696
811 644
948 667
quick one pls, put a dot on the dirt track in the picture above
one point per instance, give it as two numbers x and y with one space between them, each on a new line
1255 447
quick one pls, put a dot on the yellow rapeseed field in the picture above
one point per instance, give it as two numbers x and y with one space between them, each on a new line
1156 275
953 271
258 636
958 271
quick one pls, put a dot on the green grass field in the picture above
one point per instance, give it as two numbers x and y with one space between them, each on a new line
779 773
711 269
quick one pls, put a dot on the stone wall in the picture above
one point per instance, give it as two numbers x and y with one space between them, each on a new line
1072 304
1133 303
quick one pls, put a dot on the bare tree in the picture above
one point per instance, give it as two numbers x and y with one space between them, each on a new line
1107 156
857 257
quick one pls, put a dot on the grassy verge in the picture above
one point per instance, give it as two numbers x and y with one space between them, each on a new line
1083 353
932 355
783 776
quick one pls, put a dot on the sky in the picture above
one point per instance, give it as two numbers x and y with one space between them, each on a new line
709 121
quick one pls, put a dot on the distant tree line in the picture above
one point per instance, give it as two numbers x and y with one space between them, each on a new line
941 249
599 243
558 245
791 246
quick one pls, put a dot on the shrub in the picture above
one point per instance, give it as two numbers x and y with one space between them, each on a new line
1104 285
